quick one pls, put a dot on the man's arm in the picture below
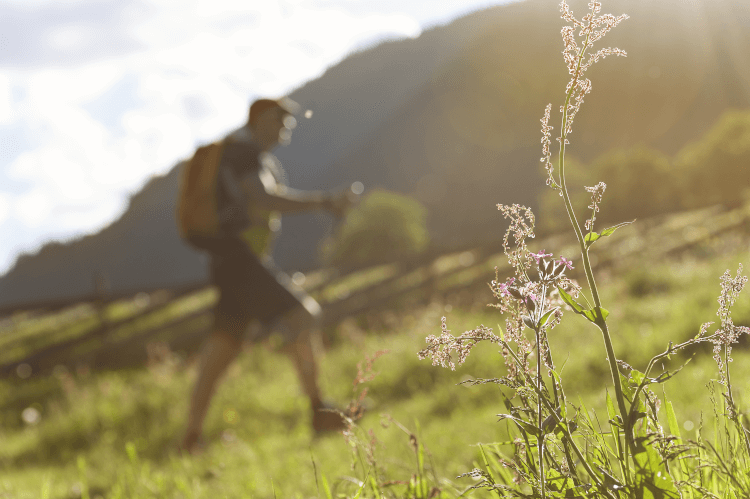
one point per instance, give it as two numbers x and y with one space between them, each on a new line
267 194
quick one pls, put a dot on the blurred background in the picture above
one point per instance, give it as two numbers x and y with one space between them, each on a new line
434 101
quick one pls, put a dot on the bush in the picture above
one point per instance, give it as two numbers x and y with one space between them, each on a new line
714 169
640 183
384 227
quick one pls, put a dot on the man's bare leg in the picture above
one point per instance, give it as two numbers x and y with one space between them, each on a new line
302 355
217 353
300 351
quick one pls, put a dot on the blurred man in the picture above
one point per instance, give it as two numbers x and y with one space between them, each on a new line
248 190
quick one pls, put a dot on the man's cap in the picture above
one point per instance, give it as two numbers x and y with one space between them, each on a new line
284 103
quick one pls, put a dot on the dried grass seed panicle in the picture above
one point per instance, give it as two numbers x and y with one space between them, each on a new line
591 28
728 333
439 349
597 193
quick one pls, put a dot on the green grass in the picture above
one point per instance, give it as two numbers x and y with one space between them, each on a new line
258 430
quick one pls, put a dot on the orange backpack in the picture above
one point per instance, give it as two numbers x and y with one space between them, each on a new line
197 212
197 207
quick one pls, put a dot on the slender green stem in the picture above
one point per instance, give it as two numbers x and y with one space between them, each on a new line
730 400
587 267
539 410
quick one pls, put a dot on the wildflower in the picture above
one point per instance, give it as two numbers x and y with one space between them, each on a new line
728 333
566 263
597 192
521 227
539 256
592 28
439 348
501 289
546 154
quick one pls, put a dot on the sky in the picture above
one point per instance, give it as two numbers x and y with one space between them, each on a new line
97 96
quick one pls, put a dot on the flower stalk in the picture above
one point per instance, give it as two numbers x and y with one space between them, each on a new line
600 322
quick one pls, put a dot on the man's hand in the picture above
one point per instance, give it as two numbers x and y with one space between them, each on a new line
339 203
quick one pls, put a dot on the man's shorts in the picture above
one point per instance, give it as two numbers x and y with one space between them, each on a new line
250 290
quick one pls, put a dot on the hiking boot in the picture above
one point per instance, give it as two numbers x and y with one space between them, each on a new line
192 444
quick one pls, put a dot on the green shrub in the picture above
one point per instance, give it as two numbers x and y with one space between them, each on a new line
715 168
384 227
640 183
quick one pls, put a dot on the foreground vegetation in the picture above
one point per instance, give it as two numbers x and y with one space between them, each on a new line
558 448
115 433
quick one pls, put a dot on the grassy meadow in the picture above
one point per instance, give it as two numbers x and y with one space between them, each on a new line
84 433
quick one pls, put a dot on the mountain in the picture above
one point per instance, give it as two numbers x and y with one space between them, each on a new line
452 118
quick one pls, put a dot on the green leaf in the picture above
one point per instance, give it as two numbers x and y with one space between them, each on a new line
674 428
589 314
610 407
635 416
610 481
326 488
362 486
666 375
570 301
563 408
636 378
558 482
505 474
551 421
616 422
523 426
627 390
594 314
591 238
527 320
375 487
652 478
610 230
589 425
681 469
604 312
545 318
487 465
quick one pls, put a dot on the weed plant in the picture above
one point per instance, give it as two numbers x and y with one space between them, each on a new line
562 449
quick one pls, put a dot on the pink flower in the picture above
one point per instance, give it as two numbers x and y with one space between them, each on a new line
502 288
540 255
566 262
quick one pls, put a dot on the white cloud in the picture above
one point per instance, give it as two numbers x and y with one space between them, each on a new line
6 101
68 37
60 86
4 208
35 4
34 207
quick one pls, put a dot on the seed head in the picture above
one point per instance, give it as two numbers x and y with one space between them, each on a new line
591 28
597 192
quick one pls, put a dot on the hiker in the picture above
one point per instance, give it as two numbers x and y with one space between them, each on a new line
247 189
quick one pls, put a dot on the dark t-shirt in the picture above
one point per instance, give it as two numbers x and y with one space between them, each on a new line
249 287
241 157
